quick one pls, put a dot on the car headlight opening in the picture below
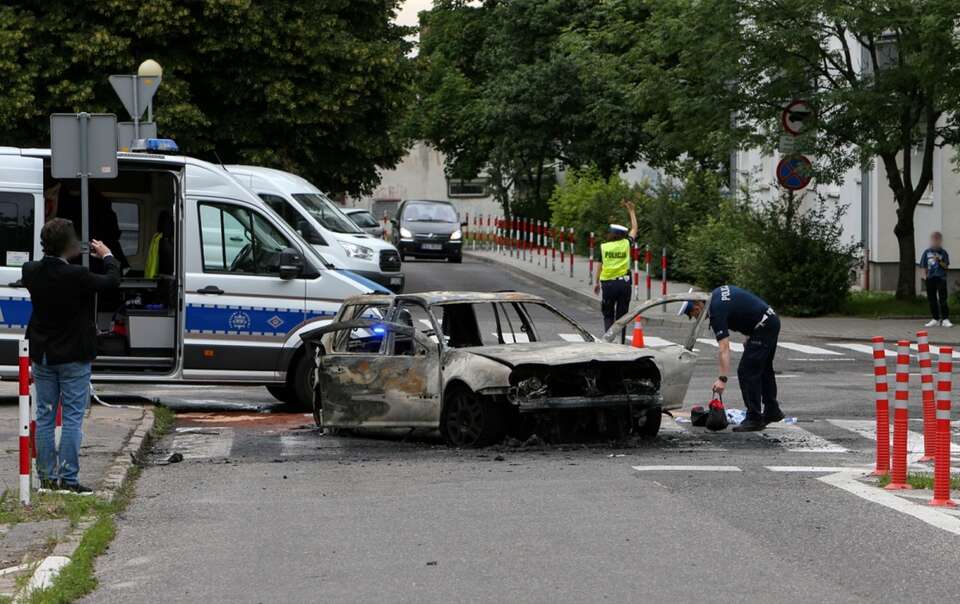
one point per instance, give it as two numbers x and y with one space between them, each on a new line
406 234
456 235
358 251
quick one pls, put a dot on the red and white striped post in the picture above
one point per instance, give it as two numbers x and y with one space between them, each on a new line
553 249
590 244
663 274
514 249
24 418
539 241
563 246
465 234
546 245
648 258
926 390
532 238
58 425
573 244
941 468
898 475
635 254
524 237
488 236
33 432
882 388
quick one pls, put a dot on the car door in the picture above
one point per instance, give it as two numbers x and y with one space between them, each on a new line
377 375
239 310
21 203
672 335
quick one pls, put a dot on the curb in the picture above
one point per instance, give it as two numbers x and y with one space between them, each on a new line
589 300
116 477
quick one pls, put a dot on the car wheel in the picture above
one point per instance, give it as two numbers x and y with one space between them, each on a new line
455 259
469 420
302 383
649 423
281 392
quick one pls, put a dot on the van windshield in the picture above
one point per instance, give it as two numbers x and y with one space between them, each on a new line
326 213
429 212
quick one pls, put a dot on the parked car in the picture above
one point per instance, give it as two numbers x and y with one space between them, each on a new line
479 366
365 220
428 229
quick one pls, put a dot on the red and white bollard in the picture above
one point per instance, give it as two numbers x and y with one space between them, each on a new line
926 390
635 256
898 474
524 241
24 419
881 387
648 258
663 274
488 236
563 246
590 244
553 249
539 242
514 250
941 468
33 433
58 425
573 244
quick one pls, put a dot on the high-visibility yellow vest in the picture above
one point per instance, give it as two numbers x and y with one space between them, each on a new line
615 256
152 266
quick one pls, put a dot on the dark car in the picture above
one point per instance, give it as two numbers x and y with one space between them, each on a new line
365 220
428 229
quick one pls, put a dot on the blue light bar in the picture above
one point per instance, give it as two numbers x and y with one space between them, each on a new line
161 145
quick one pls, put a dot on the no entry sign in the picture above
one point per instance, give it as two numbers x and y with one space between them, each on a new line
794 172
796 117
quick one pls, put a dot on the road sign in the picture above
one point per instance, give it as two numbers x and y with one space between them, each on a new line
796 117
135 92
126 133
84 146
794 172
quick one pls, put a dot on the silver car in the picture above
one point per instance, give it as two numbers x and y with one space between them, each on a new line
480 366
365 220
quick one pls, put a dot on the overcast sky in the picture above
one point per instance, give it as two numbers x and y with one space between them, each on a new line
409 9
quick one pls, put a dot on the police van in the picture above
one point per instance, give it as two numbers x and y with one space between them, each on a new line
324 225
216 286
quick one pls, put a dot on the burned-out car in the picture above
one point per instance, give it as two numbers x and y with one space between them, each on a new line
479 366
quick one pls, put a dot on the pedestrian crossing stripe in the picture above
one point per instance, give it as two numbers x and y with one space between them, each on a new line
804 348
734 346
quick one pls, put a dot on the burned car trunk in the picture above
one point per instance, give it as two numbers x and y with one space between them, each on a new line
541 387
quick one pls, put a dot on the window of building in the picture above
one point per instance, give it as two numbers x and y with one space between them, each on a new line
16 228
475 187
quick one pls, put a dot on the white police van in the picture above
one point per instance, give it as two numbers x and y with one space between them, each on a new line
324 225
237 288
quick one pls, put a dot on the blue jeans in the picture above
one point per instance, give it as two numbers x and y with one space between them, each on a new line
68 383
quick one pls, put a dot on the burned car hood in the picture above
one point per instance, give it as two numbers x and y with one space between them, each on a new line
559 353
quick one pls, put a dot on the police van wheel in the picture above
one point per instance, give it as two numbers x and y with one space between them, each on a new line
280 392
302 383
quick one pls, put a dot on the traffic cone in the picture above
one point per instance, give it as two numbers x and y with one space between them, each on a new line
637 341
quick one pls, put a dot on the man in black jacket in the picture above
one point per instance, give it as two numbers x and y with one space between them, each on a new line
63 343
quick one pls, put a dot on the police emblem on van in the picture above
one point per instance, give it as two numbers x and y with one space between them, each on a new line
275 322
239 321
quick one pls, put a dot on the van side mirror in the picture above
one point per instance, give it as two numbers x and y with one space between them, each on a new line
291 263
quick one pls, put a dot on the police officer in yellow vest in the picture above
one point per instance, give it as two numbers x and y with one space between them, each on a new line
613 278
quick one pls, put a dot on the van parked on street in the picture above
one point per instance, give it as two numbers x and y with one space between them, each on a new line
235 288
324 225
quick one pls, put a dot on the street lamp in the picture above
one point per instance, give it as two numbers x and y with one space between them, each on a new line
150 69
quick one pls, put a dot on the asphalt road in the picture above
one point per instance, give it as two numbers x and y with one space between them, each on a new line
266 509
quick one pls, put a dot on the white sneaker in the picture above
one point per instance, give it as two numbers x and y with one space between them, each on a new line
932 323
946 323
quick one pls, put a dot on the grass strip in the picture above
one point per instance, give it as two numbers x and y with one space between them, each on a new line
920 480
871 305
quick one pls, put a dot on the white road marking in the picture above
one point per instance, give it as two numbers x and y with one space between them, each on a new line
734 346
830 360
807 349
508 337
296 445
827 469
687 469
654 342
864 348
932 516
569 337
934 351
868 429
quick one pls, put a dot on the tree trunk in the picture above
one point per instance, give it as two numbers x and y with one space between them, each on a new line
907 273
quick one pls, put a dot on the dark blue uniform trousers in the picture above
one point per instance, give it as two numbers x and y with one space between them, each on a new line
614 300
758 384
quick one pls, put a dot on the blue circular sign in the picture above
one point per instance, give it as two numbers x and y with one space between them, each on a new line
794 172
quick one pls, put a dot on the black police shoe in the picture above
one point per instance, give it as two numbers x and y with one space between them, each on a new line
749 425
772 418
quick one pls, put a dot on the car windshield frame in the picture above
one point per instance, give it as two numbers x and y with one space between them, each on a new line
366 216
528 325
433 207
327 213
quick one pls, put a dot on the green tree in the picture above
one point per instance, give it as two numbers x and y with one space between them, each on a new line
319 88
502 92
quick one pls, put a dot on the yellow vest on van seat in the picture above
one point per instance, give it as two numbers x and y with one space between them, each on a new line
615 256
153 258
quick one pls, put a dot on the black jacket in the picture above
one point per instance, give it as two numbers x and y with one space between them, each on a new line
62 324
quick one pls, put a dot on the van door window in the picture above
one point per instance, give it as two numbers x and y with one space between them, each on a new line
238 240
292 217
16 228
128 217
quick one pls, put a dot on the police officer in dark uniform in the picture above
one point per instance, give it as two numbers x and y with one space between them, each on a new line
736 309
613 277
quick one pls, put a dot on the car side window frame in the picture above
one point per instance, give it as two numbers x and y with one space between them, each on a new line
253 214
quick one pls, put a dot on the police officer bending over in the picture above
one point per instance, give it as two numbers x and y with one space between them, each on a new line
613 278
733 308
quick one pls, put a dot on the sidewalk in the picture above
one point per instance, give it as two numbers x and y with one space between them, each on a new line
105 431
827 328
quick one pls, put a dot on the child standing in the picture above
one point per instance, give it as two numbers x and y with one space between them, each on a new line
935 260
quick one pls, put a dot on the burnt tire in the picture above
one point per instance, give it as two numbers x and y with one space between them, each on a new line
469 420
648 426
301 381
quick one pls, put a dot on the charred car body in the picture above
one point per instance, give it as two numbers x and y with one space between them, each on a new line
479 366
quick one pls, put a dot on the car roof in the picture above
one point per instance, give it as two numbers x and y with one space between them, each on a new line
427 201
284 181
355 210
450 297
